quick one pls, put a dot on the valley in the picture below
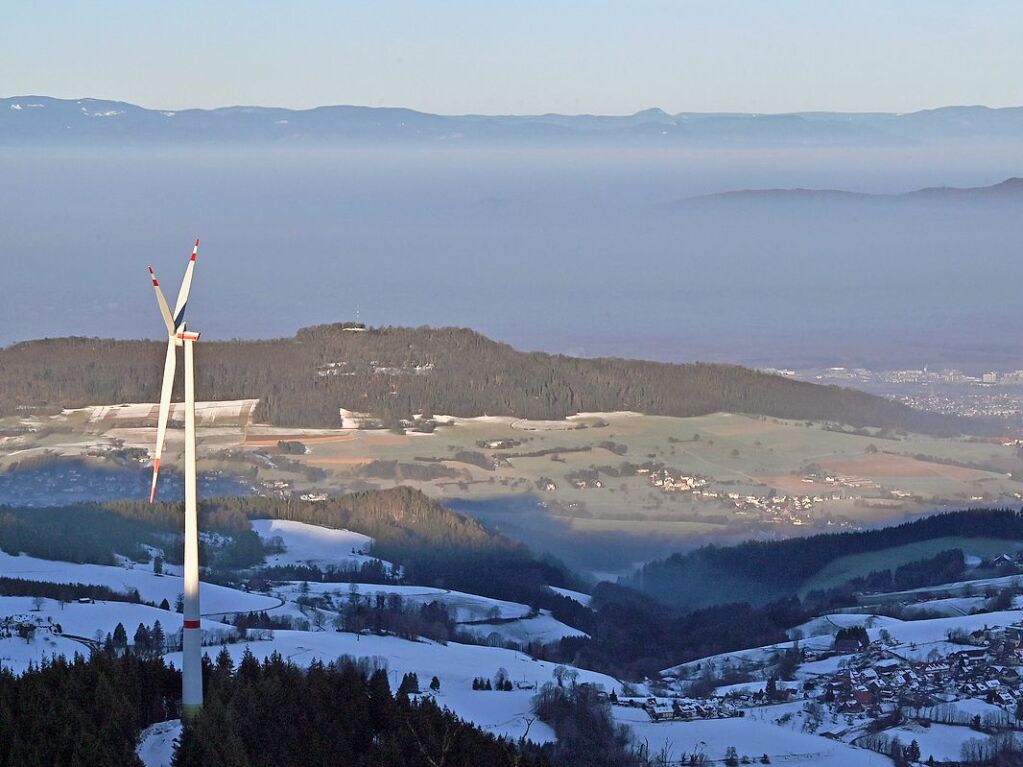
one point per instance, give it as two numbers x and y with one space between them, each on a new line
715 477
842 687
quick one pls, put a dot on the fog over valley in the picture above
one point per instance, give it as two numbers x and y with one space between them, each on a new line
587 250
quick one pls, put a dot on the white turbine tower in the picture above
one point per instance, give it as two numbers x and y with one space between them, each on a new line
179 335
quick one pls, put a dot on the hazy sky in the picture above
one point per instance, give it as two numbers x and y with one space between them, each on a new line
530 56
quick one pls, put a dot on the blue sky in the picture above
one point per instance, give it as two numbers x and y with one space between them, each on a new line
521 57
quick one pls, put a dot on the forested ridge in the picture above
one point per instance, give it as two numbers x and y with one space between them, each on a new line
759 571
395 373
433 546
398 519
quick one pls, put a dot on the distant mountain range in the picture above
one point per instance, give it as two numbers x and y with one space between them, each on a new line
1010 190
41 120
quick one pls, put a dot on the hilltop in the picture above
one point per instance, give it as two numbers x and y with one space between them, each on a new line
1009 190
394 374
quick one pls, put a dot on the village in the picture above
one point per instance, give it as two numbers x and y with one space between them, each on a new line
866 689
769 507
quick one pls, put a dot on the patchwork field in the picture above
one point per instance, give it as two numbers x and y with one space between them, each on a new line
718 475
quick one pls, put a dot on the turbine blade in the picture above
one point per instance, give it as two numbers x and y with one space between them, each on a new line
164 310
165 396
186 287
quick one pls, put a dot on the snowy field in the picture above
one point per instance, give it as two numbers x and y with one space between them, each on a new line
961 588
966 709
461 606
16 654
578 596
827 625
923 632
942 741
215 600
543 627
948 607
313 545
156 744
751 738
455 665
84 620
917 639
80 624
819 667
234 412
753 657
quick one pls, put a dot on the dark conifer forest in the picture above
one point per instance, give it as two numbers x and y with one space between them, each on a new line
394 373
278 715
90 712
83 712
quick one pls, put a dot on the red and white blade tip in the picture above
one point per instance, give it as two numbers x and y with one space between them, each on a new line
152 274
156 473
195 250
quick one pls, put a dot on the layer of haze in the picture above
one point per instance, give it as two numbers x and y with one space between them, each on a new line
579 251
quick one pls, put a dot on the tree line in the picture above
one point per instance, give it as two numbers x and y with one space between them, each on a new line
95 533
64 592
766 570
395 373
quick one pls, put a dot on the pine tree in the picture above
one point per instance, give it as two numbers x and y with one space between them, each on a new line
157 639
142 640
409 684
913 752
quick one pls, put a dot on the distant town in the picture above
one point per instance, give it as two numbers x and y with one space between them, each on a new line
990 394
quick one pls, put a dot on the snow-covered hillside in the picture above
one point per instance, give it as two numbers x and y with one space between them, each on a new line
455 665
306 544
461 606
66 629
151 587
750 738
926 656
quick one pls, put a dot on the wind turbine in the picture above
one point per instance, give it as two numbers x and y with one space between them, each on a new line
179 335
